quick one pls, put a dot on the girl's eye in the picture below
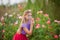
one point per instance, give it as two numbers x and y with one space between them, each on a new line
29 15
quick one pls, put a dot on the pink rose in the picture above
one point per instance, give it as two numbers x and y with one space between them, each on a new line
37 19
46 15
57 21
16 22
2 18
48 22
55 36
37 26
20 17
3 31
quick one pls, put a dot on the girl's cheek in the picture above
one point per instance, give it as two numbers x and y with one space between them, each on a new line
30 17
26 17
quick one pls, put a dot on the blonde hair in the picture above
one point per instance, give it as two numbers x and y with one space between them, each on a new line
25 13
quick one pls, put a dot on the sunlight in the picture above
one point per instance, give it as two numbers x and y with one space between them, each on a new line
11 2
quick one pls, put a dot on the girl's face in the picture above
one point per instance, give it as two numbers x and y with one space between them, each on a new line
28 16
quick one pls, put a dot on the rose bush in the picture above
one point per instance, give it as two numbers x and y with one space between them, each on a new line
44 27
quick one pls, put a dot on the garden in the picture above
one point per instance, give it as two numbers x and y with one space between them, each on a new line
46 27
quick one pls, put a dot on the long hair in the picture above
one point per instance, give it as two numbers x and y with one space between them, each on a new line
23 19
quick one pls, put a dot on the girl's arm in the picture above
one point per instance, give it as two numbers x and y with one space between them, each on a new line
29 31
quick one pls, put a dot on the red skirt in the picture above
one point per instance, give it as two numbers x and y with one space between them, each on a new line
19 37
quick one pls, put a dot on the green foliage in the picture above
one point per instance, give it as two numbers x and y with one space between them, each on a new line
45 32
11 24
44 28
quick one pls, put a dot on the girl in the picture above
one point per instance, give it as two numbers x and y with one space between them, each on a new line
26 26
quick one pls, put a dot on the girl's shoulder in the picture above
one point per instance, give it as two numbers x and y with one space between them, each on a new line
23 24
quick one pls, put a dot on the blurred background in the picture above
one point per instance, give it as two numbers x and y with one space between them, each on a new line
46 14
50 6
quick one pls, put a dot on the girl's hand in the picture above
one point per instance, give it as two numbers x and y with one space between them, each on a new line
32 21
